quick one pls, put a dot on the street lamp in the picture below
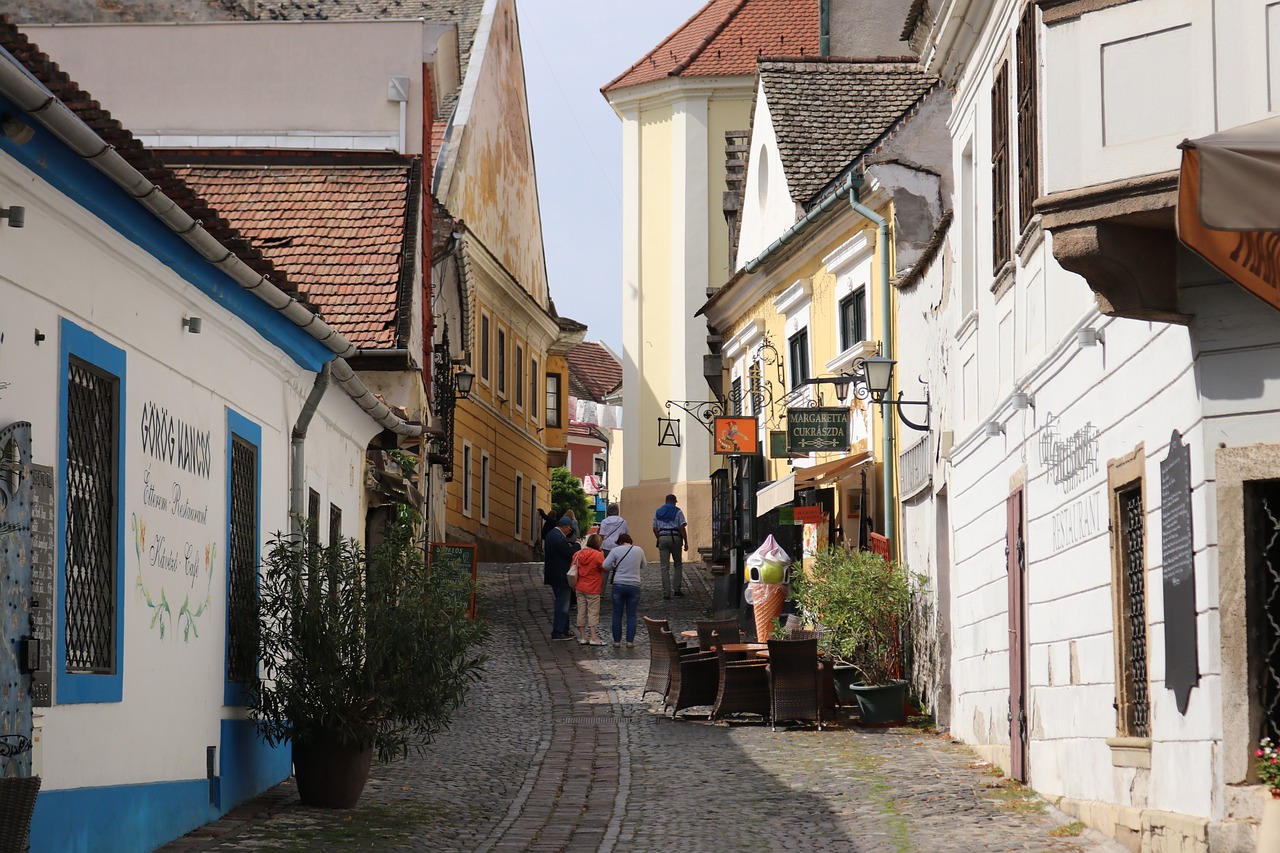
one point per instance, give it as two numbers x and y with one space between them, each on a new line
462 382
873 377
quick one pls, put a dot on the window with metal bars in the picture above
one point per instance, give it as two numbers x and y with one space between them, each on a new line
313 517
1262 560
1134 707
1028 116
335 525
242 582
93 464
1001 221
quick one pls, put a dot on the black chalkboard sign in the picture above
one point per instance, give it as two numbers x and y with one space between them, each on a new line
1182 670
459 557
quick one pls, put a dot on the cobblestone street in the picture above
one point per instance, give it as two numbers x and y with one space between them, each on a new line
555 751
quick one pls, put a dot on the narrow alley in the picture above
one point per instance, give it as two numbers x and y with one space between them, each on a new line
556 751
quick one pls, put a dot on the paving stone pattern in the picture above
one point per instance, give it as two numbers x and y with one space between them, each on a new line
556 751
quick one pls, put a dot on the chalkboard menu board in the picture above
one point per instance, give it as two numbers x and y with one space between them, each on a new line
43 537
462 559
1182 670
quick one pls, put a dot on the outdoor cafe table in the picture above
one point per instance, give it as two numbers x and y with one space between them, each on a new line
744 649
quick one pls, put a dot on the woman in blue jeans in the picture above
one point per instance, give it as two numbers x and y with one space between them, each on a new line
624 563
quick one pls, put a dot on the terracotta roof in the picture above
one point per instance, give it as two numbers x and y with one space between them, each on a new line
725 37
145 161
594 369
338 225
827 112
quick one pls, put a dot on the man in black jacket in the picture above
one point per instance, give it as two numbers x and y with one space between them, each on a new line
557 555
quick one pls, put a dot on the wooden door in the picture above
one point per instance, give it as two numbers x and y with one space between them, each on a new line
1015 556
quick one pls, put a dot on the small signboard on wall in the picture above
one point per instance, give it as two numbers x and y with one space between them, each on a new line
1182 671
817 430
459 557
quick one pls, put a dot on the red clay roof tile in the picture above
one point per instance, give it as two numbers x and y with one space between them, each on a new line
725 37
594 368
340 230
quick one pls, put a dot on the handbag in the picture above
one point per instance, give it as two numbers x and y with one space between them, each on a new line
572 576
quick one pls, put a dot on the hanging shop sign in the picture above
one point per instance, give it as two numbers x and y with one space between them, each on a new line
817 430
735 436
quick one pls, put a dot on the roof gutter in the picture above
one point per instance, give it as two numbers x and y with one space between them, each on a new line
849 186
32 97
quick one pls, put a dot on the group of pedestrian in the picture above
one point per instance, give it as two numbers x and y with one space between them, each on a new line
610 551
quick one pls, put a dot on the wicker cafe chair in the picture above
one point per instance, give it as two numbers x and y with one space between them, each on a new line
659 662
712 633
793 681
694 677
744 687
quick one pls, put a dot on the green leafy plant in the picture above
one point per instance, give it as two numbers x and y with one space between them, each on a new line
362 649
1268 764
567 493
861 601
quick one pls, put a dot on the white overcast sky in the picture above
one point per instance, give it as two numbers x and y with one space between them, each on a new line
571 49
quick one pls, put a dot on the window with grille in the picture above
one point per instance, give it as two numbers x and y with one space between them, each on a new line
93 464
335 525
798 350
1001 223
1134 708
853 313
242 590
1262 561
313 517
1028 117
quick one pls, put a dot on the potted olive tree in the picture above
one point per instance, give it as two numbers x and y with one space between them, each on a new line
861 602
359 653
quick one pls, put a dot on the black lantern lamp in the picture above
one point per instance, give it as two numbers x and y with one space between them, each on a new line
462 382
872 378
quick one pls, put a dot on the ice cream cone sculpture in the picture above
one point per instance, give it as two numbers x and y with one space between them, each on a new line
767 598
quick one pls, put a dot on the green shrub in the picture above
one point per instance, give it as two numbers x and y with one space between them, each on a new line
372 650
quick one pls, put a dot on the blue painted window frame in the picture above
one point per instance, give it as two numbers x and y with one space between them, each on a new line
83 688
238 426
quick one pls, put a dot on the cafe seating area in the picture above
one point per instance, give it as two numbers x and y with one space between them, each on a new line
778 681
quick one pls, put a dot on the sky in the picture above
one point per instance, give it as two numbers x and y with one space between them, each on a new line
571 49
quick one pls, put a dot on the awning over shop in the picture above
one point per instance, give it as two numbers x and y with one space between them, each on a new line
773 495
1227 211
817 475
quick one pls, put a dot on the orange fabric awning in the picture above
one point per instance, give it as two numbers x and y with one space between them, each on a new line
816 475
1227 211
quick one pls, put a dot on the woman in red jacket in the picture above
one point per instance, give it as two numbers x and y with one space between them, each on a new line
590 584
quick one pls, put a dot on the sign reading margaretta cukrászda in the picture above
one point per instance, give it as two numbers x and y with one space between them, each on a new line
817 430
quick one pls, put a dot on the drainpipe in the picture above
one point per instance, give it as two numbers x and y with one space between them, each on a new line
298 457
886 337
824 27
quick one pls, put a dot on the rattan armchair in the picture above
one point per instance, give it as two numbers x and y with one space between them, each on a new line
712 633
659 662
693 677
743 688
793 672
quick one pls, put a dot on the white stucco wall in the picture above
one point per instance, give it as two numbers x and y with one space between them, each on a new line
209 69
767 208
67 264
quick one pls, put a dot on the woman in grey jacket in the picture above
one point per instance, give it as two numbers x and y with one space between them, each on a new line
625 561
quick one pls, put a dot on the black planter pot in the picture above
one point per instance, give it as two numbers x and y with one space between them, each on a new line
330 776
882 704
846 677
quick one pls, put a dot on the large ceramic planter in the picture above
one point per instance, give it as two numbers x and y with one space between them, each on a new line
882 704
1269 828
330 776
846 676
